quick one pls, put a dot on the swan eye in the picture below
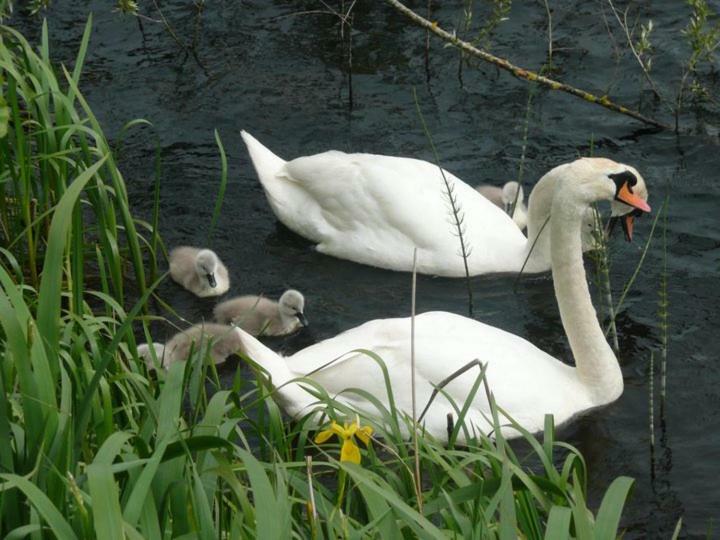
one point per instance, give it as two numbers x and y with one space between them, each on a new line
625 177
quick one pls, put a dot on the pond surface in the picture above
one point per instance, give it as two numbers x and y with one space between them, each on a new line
264 67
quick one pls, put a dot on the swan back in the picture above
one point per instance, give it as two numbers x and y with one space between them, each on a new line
145 352
260 316
223 341
493 194
375 209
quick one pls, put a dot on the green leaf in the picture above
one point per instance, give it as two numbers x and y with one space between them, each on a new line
61 528
107 517
223 185
608 517
266 507
4 117
51 284
583 525
141 489
195 444
420 525
558 523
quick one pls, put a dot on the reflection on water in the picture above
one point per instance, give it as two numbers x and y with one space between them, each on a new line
282 78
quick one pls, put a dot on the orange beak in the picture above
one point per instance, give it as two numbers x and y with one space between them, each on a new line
628 197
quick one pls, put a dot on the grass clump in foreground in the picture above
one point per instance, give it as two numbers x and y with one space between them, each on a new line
92 446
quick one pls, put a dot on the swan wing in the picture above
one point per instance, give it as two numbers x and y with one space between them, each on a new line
526 382
375 209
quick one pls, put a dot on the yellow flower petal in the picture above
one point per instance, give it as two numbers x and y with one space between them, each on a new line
323 436
350 452
364 434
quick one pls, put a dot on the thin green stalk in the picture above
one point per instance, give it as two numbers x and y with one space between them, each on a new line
664 313
418 478
603 269
456 210
223 185
651 419
638 267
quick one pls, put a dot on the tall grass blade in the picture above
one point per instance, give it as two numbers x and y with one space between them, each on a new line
223 184
44 506
608 517
107 517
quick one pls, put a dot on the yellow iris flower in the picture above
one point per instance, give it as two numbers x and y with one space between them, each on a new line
347 434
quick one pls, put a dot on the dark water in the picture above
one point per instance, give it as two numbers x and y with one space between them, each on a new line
280 76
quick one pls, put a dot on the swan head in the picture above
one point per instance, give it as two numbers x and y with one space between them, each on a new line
292 306
624 208
596 179
206 264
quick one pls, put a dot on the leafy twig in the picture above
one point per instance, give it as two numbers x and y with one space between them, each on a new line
456 211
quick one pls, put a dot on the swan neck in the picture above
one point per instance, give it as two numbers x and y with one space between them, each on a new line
537 248
597 366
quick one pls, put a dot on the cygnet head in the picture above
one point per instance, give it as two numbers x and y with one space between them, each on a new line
292 305
512 192
596 179
206 263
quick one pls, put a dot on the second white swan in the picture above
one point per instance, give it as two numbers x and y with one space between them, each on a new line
376 209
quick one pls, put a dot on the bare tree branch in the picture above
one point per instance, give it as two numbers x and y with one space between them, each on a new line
521 73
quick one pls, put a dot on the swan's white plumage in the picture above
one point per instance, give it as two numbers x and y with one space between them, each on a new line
511 194
526 382
375 210
357 207
444 343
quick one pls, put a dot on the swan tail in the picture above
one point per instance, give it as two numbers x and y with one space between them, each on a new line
266 164
291 396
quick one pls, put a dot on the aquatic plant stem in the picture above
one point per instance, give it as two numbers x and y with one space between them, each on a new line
312 514
521 73
416 450
550 33
663 312
456 210
603 264
651 397
427 44
636 272
624 25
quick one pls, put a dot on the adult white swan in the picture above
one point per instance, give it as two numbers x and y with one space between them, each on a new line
526 382
376 209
